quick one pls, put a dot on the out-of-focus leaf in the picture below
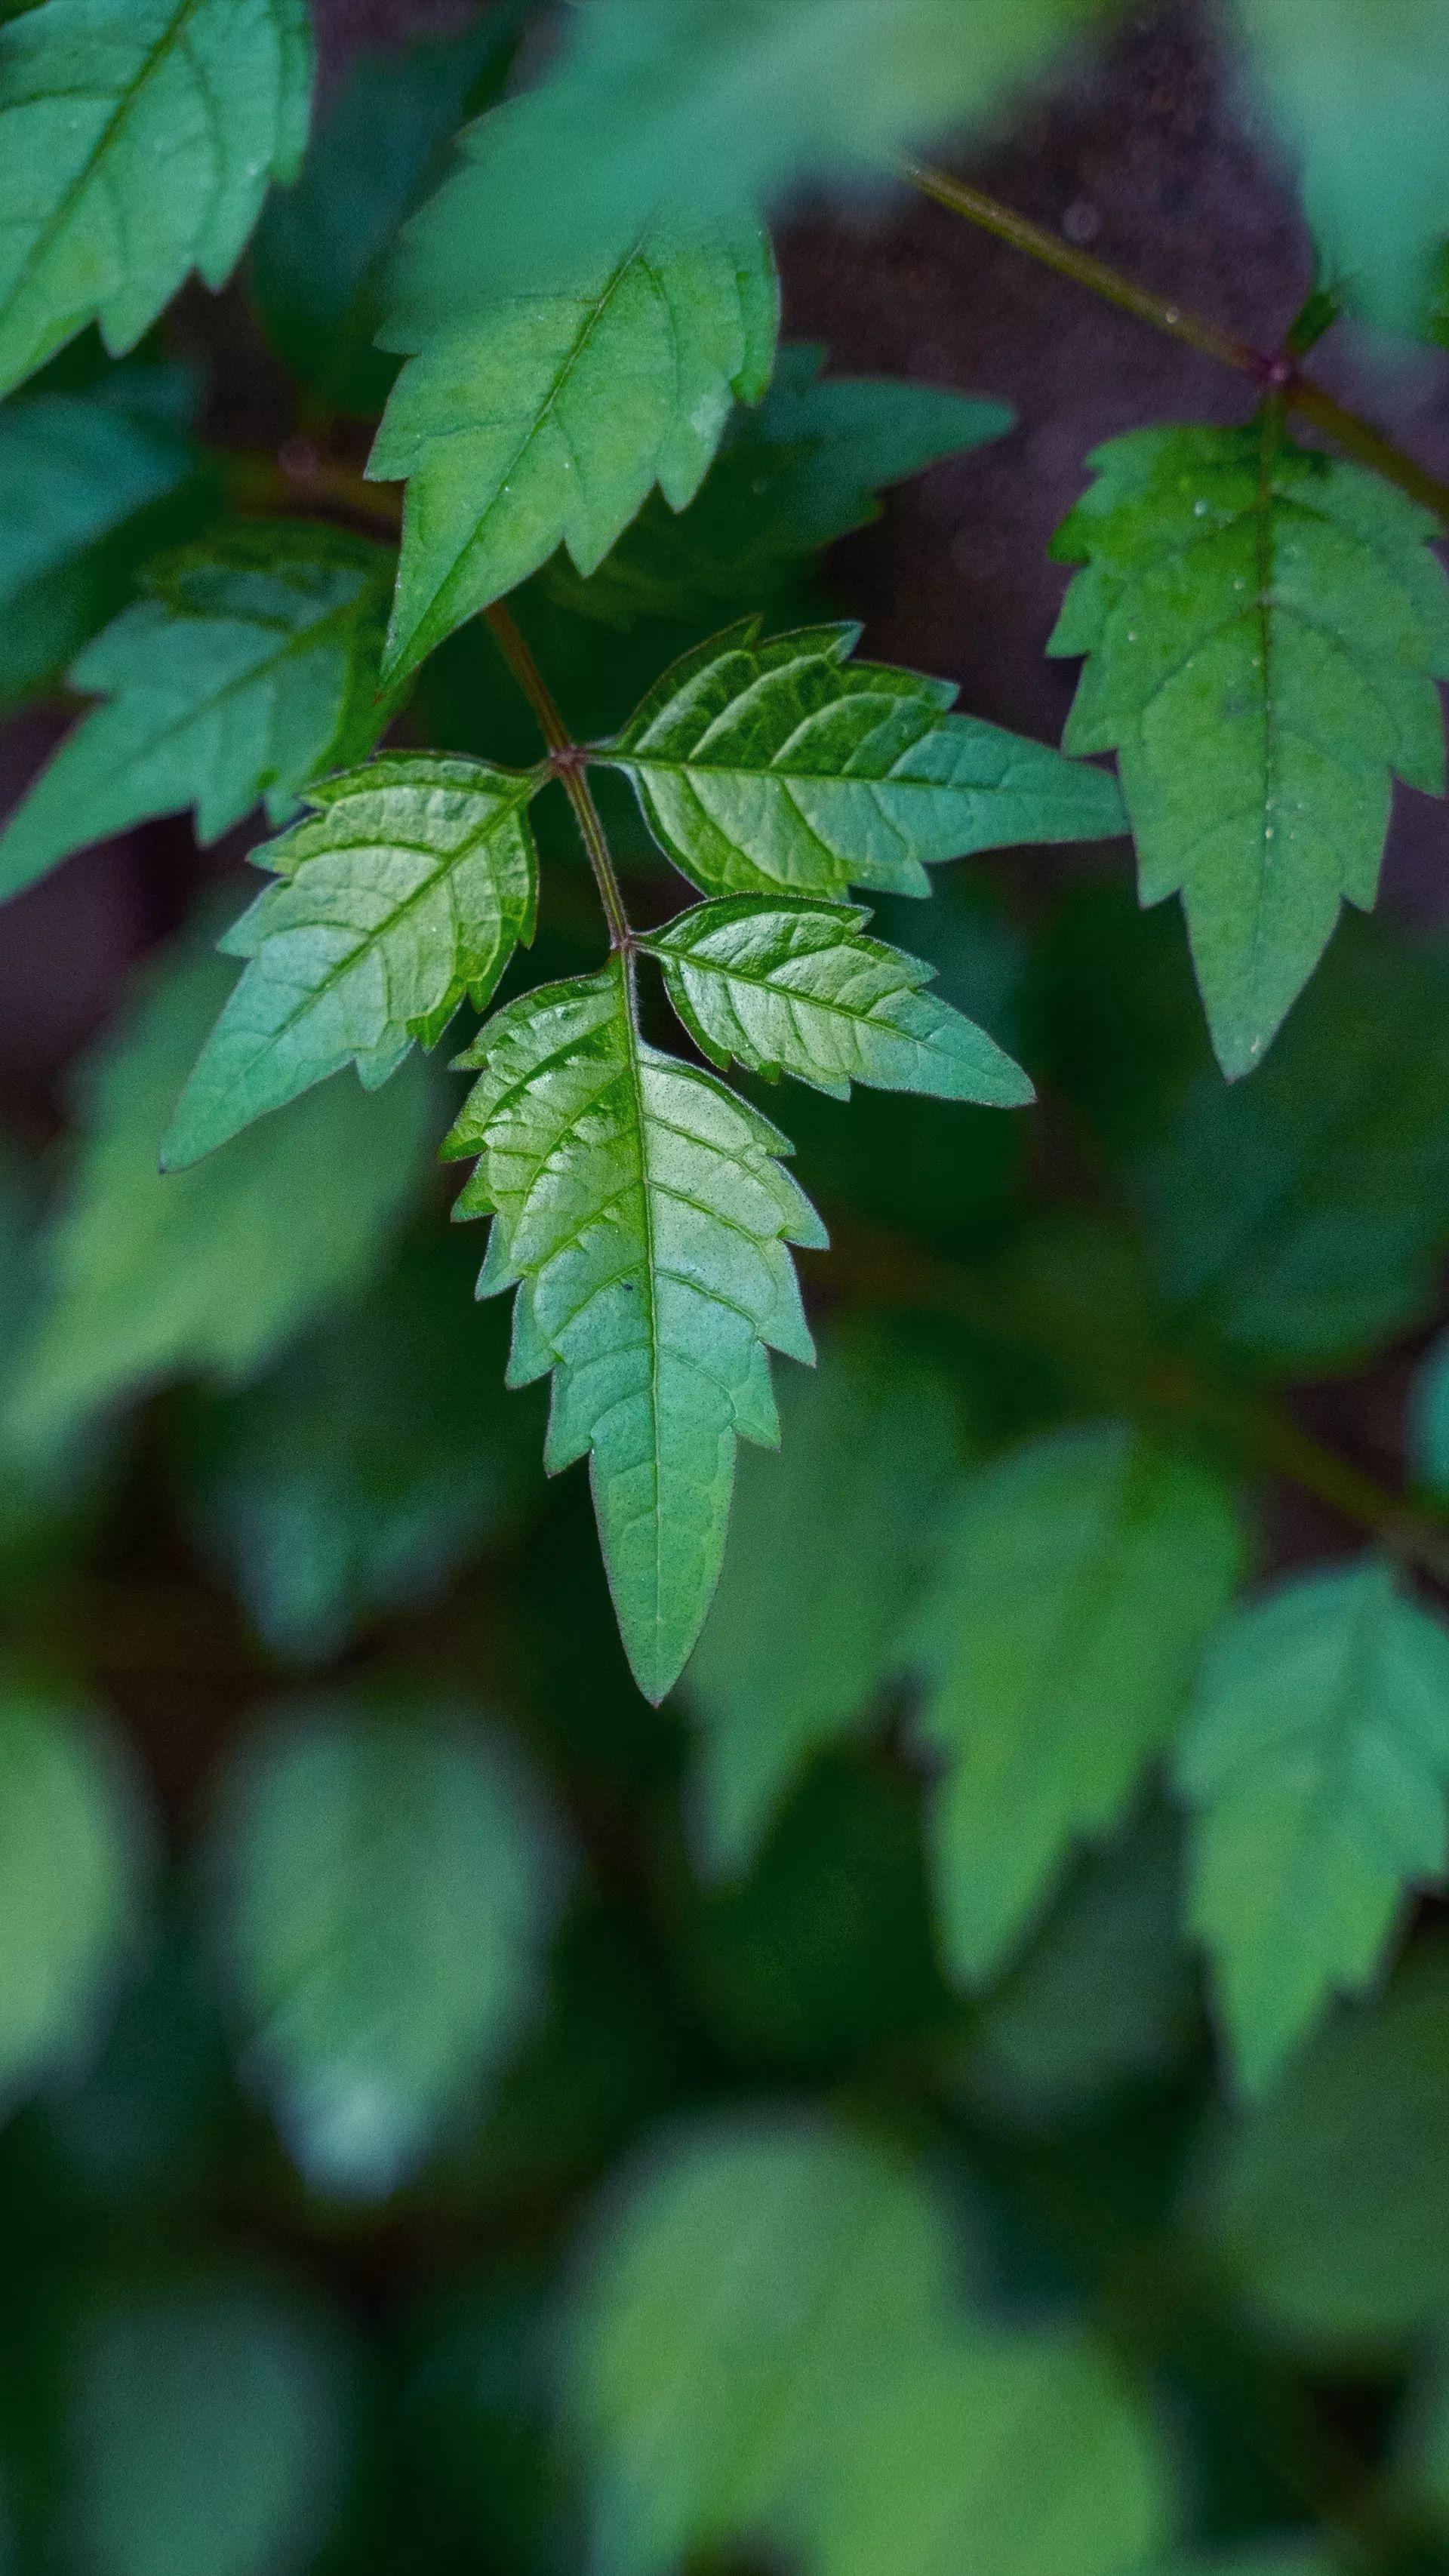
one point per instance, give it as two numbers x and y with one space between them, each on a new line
318 256
548 418
784 766
787 986
1076 1590
820 1575
90 483
1330 2204
387 1884
698 101
481 2473
250 665
209 2431
771 2349
645 1217
153 2106
1264 626
1360 93
149 1276
1317 1755
70 1866
1299 1218
361 1473
751 2284
1104 1997
797 471
403 895
121 171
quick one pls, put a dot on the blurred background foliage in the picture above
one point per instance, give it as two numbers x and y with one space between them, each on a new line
459 2118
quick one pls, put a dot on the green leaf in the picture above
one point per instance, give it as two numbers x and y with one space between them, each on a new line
70 1865
85 480
209 1271
387 1886
1429 1419
793 987
209 2431
251 665
1076 1590
644 1214
1328 2206
1361 96
1317 1755
694 102
1263 626
770 2349
317 261
796 471
402 896
823 1565
137 138
743 2297
361 1473
547 419
1299 1220
786 767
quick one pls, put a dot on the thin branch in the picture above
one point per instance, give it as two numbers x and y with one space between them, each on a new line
567 763
1280 373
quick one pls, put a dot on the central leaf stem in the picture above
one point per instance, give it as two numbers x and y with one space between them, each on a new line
567 761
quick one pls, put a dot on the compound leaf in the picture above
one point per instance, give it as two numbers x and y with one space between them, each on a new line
545 421
137 139
793 987
785 767
1076 1591
643 1211
149 1276
826 1553
403 894
387 1885
251 665
69 1869
1317 1756
1264 626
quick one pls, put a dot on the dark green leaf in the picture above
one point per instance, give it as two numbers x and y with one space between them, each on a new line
1264 626
786 767
797 471
1077 1588
251 666
1317 1754
357 1477
318 258
548 419
822 1569
147 1277
137 138
793 987
209 2431
403 895
387 1888
70 1862
645 1216
1299 1219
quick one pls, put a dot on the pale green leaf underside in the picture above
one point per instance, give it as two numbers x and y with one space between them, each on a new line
546 420
1264 627
644 1214
151 1276
794 987
388 1885
252 665
1317 1756
406 892
784 767
826 1551
1076 1591
137 139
